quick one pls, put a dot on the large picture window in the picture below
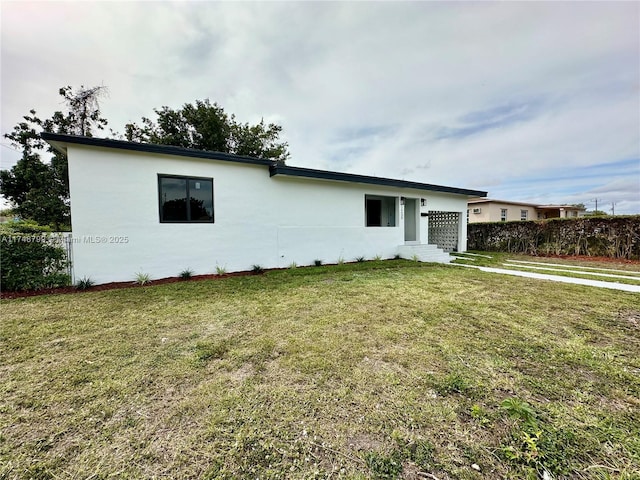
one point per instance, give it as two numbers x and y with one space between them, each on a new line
380 211
185 199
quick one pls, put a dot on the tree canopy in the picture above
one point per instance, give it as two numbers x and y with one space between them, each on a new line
39 189
206 126
596 213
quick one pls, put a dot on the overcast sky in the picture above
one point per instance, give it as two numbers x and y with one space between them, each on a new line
535 102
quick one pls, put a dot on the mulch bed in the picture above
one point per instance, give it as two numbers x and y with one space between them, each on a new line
114 285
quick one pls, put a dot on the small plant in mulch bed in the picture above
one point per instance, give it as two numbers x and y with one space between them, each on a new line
84 283
360 259
220 270
186 274
317 262
397 256
293 265
257 269
142 278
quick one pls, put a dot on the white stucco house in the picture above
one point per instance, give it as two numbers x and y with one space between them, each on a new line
130 212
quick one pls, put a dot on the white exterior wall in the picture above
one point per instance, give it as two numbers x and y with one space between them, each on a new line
259 220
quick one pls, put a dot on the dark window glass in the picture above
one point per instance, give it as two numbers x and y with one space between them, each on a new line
374 212
201 195
173 199
380 211
174 192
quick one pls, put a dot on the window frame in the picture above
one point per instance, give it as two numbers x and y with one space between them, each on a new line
524 215
188 178
382 198
503 214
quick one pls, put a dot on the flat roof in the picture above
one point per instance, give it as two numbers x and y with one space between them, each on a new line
561 206
59 142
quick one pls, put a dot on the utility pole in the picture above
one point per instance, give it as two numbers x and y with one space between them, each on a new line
613 208
596 200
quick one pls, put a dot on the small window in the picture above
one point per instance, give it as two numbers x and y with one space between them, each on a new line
524 215
185 199
380 211
503 214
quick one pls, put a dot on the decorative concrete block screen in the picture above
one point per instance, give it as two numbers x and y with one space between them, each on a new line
443 230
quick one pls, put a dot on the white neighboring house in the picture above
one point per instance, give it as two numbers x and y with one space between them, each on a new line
130 213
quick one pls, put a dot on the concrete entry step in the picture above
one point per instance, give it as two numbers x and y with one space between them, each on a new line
424 253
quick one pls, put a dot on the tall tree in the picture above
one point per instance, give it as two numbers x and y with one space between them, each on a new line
37 189
206 126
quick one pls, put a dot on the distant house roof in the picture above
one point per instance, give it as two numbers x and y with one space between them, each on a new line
59 142
562 206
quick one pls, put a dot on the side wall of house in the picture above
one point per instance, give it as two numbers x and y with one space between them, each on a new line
483 216
492 212
259 220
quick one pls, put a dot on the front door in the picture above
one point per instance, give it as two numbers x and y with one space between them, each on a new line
410 220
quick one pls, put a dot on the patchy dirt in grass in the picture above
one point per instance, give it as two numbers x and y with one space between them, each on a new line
410 471
632 318
364 442
243 373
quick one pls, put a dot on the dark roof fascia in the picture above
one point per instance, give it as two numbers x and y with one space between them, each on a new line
54 138
58 141
349 177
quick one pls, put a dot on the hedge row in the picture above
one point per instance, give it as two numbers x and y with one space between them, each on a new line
616 237
31 258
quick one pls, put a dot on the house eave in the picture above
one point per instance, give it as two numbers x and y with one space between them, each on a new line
354 178
60 142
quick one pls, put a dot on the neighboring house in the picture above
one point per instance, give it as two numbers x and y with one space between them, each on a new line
490 210
161 209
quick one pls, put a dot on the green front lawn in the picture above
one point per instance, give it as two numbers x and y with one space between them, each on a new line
388 369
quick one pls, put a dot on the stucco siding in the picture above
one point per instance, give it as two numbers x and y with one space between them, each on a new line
259 220
492 212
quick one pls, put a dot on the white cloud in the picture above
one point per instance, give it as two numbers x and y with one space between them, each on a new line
361 87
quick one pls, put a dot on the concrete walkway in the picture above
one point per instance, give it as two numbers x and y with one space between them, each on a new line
557 278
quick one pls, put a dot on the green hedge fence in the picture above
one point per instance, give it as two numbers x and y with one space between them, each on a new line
615 237
31 257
